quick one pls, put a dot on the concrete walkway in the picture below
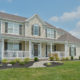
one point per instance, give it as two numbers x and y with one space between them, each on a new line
39 64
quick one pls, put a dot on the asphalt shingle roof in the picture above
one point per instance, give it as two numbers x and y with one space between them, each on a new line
12 17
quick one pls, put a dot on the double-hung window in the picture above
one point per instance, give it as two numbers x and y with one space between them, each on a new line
49 33
36 30
13 28
72 51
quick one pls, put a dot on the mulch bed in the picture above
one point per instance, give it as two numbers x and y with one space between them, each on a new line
53 64
17 65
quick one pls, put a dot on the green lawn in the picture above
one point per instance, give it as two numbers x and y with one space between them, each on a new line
69 71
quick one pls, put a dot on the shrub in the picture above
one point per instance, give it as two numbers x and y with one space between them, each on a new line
55 55
48 64
12 62
17 60
57 58
71 57
51 58
63 59
79 57
4 61
35 59
67 58
21 62
26 60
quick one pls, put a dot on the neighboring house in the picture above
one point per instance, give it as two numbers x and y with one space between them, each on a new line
22 37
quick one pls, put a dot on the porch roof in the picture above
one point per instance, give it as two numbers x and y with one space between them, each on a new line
69 38
23 38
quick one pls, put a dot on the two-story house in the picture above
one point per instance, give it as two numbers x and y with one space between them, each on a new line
22 37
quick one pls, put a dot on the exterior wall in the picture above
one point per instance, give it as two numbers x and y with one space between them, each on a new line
3 27
28 28
43 50
27 46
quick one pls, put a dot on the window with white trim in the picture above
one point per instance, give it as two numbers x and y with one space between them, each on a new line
13 46
49 33
36 29
72 51
12 28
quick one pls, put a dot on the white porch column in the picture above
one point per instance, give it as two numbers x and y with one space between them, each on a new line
66 50
51 48
40 50
30 49
2 48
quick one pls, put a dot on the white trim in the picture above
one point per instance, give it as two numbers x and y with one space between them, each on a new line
30 49
2 48
51 47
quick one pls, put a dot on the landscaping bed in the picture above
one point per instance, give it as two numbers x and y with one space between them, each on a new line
52 64
16 65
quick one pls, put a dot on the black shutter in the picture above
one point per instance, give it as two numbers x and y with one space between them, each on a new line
46 32
20 29
6 46
54 47
70 51
54 33
32 29
6 27
46 51
20 46
39 31
75 51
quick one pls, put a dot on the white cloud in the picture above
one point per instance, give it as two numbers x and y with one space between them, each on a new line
76 30
2 11
67 16
16 14
9 0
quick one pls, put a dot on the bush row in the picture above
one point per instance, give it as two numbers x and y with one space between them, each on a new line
63 59
22 62
26 60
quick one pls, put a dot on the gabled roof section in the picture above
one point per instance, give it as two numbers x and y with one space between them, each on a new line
36 16
12 17
68 37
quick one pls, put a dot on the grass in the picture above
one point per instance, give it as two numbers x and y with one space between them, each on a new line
69 71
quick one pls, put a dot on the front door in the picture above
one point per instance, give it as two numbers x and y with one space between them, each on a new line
36 50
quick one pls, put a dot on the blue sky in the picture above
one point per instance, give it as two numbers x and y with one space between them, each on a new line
61 13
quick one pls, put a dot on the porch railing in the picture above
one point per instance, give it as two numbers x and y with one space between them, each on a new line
15 54
60 53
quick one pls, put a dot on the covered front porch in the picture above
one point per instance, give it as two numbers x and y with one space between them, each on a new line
12 49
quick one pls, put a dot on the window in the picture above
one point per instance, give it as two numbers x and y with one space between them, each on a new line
13 46
72 51
13 28
10 27
49 33
36 30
